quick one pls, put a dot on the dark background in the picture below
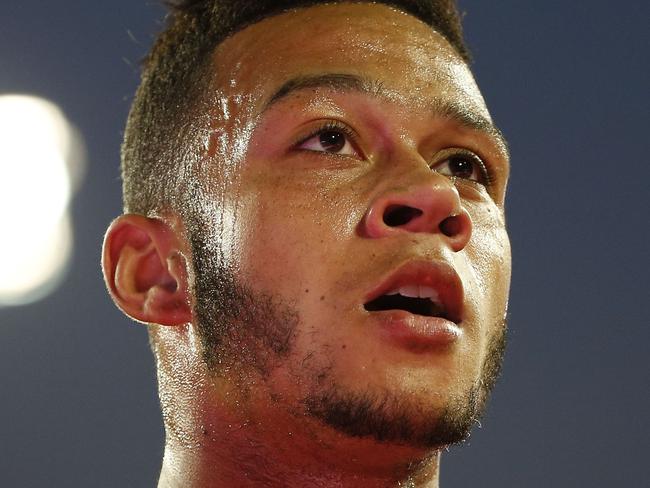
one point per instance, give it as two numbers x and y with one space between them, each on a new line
568 83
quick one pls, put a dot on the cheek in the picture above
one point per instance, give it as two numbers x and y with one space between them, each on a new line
286 240
491 263
298 223
489 252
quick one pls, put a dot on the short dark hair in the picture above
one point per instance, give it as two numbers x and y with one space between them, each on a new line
155 169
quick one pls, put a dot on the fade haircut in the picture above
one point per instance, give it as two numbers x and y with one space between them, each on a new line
157 158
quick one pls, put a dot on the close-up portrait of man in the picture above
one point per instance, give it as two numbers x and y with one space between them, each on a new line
254 243
314 235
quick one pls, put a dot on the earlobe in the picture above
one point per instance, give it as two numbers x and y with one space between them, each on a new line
145 270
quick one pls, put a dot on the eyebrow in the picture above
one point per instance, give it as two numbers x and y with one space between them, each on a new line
343 83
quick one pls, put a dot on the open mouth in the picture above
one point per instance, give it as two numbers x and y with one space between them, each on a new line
422 288
416 300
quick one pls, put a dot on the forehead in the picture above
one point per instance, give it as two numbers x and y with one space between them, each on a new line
411 62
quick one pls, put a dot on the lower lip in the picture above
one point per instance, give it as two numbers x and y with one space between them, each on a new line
417 332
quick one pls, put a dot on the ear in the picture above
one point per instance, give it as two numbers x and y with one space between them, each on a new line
145 270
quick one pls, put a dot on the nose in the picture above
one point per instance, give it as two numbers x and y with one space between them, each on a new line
431 206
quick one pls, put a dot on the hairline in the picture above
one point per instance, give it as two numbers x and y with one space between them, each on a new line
203 80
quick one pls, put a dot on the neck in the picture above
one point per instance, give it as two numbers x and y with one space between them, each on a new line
226 461
216 439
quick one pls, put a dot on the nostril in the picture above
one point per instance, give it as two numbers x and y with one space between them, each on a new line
396 215
451 226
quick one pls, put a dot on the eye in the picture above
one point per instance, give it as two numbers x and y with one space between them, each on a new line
465 166
333 138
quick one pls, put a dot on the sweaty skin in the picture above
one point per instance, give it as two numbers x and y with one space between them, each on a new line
298 229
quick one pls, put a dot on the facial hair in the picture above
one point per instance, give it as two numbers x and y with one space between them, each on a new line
389 417
238 326
242 329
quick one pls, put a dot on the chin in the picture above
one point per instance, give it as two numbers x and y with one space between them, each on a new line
397 418
431 406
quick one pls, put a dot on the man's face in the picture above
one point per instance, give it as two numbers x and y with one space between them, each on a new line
353 158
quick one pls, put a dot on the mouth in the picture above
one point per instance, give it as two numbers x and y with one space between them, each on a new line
418 300
427 289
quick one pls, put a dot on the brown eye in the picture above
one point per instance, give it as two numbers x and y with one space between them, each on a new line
467 167
461 168
330 139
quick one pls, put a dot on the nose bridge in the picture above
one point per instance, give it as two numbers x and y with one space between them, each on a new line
425 203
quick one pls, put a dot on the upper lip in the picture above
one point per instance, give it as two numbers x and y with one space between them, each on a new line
438 275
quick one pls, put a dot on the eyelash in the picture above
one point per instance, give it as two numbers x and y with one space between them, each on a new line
482 167
330 125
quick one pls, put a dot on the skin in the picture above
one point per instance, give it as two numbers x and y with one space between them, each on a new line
305 233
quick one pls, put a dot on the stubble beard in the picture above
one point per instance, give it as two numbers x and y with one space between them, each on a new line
399 418
243 330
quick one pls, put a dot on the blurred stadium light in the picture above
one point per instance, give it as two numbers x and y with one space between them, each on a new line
41 164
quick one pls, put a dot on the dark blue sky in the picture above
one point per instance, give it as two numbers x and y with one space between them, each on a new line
568 84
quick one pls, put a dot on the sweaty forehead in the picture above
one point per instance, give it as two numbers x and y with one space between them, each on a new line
372 40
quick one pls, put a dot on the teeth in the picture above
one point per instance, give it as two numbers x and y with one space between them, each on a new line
412 291
415 291
427 291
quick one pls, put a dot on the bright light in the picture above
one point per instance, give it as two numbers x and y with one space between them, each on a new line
39 158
